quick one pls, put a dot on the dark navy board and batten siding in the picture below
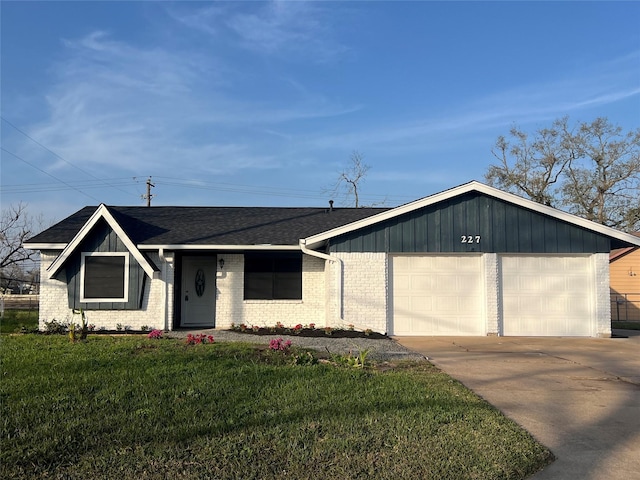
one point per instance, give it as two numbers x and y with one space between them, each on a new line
103 239
502 227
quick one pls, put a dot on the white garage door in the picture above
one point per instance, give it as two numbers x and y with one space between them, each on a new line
547 296
437 295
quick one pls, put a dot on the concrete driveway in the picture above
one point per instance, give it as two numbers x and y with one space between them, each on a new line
580 397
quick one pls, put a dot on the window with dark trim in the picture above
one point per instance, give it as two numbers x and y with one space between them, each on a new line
273 276
104 277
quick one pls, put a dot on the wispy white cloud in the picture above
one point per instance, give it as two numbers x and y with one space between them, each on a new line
288 27
277 27
204 19
597 86
118 105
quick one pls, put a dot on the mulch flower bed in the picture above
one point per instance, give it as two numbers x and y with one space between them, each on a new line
310 332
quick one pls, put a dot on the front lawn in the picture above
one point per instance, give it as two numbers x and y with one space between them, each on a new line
13 320
134 408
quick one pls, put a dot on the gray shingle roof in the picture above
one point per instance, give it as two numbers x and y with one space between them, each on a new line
212 225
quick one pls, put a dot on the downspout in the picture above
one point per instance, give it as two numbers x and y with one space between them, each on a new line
324 256
164 288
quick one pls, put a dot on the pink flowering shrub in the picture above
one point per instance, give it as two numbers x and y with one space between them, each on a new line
198 339
155 333
298 328
278 345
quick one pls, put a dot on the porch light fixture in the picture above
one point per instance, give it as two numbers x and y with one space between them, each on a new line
221 263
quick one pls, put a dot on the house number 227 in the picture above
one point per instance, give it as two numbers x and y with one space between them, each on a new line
470 239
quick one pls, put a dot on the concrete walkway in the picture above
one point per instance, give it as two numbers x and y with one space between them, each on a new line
579 397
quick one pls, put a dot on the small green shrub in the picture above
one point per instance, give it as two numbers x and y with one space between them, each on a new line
56 327
304 358
352 360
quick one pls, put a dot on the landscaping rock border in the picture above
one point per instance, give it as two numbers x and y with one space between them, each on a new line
380 349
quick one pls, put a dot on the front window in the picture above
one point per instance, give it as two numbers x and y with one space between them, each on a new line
273 276
104 277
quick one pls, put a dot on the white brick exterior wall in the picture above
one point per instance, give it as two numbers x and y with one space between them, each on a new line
54 304
365 285
602 307
492 293
364 290
231 308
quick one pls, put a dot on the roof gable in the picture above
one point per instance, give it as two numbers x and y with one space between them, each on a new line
474 186
102 212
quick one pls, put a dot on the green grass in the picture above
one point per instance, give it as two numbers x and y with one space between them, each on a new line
13 320
626 325
133 408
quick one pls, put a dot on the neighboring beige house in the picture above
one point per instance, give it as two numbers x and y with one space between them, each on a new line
624 272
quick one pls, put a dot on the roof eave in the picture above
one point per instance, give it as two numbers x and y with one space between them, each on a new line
213 247
44 246
622 252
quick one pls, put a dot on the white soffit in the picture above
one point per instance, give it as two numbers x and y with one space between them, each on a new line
473 186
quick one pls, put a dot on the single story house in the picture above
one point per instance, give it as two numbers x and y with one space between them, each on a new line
471 260
624 272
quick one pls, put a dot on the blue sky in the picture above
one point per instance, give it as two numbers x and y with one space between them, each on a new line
262 103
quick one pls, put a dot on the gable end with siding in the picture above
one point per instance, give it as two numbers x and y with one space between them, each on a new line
475 223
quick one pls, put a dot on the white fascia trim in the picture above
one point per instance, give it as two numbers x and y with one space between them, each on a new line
44 246
101 212
474 185
219 247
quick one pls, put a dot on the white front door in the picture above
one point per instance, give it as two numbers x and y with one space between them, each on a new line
198 292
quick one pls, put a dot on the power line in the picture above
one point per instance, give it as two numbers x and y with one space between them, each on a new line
47 173
56 187
58 156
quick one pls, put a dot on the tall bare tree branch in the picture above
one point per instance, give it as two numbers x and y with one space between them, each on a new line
350 179
592 170
16 226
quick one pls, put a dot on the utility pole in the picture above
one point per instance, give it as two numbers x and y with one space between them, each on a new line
148 196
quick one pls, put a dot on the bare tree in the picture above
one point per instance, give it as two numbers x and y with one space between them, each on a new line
16 226
532 166
350 179
603 184
592 170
